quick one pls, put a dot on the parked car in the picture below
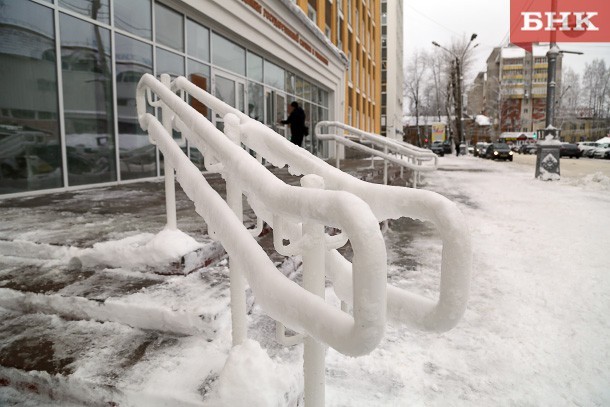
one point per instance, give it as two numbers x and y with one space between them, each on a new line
528 148
586 146
437 148
499 151
479 149
602 151
569 150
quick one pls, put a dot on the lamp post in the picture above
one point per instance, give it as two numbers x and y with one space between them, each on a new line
459 62
548 157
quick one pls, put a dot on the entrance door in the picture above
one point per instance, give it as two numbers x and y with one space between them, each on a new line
275 110
231 90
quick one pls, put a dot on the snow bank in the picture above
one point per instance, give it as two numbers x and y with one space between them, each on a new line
251 379
140 250
597 181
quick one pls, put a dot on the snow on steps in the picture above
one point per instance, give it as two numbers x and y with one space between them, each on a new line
47 360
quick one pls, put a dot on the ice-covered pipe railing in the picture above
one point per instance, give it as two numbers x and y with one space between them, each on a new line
386 156
387 202
394 146
281 298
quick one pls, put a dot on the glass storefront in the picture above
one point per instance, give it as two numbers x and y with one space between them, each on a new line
30 145
67 98
88 101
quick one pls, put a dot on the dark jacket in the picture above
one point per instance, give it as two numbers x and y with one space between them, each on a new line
296 119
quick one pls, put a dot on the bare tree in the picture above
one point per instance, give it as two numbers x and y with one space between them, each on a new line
596 88
415 76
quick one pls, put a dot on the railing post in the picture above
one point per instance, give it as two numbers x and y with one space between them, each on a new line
236 275
385 166
314 281
170 185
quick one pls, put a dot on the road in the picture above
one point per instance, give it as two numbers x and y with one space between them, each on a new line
570 167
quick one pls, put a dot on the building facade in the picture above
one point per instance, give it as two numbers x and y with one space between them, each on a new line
70 69
514 88
392 75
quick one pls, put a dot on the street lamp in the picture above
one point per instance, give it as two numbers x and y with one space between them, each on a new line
459 62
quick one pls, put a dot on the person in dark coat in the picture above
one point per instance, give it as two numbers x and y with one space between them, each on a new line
296 119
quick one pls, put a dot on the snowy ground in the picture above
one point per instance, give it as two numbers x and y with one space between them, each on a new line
536 330
535 333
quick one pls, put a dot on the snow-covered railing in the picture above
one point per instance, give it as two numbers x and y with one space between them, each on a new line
386 202
395 151
297 215
265 196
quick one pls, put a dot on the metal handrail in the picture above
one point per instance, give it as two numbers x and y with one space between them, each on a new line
394 146
395 151
386 202
279 297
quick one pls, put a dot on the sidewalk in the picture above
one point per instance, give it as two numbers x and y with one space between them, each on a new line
81 307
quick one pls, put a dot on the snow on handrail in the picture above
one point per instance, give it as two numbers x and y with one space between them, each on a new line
281 298
420 156
386 202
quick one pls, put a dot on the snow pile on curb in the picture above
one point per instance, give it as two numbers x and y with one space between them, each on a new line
597 181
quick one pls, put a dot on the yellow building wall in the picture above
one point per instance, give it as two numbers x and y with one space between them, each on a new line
363 86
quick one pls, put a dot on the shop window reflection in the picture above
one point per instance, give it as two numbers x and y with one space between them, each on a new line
30 154
137 154
95 9
88 111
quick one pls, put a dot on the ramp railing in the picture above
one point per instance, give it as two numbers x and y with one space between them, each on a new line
299 215
386 202
395 151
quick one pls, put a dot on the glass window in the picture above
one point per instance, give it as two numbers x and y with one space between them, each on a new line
299 87
323 97
169 26
228 55
96 9
274 75
199 74
136 152
168 62
198 41
306 90
291 83
134 16
30 152
88 101
255 67
255 101
225 90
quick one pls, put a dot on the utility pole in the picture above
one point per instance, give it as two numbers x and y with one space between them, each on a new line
548 157
457 81
460 101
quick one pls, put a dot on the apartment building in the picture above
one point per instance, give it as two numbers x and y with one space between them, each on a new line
392 74
514 88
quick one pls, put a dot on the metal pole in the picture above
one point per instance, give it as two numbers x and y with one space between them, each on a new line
237 286
460 99
170 186
385 166
314 281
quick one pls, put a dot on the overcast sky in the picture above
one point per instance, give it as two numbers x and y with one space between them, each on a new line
440 20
